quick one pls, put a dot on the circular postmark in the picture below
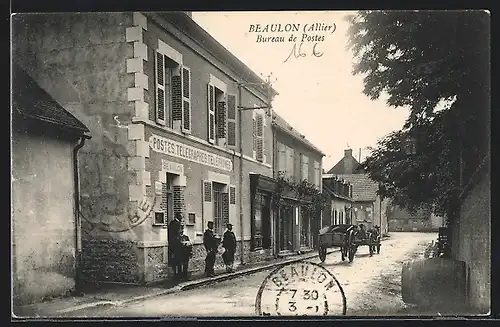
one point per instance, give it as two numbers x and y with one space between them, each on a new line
300 289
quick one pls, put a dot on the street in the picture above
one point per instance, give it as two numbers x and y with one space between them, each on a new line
371 284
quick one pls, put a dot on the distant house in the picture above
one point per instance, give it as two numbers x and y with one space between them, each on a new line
296 159
400 220
367 207
45 141
339 207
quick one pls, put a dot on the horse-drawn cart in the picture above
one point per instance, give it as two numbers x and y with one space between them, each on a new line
338 236
348 238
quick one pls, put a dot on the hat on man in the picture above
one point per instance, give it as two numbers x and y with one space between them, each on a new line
229 225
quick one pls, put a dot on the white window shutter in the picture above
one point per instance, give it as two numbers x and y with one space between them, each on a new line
207 206
160 89
211 113
221 113
259 119
186 100
231 120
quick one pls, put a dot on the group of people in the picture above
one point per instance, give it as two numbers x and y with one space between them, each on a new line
180 248
212 242
362 233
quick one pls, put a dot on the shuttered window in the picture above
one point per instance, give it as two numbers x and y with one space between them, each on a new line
231 120
259 137
217 115
282 158
304 163
232 195
317 174
290 169
221 119
168 91
162 90
211 113
186 100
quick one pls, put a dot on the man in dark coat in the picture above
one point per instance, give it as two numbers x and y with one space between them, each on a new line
174 245
362 232
185 254
210 243
229 245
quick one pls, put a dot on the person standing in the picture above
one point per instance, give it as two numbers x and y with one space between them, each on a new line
210 243
229 245
174 244
185 255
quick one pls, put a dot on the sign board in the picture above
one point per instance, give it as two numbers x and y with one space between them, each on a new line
179 150
158 188
172 167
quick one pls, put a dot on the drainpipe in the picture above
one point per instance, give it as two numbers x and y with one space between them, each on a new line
241 172
78 247
277 218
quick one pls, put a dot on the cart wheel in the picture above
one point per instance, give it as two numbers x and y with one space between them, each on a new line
322 254
352 251
378 249
342 253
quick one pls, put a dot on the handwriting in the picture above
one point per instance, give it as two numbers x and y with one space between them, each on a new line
296 52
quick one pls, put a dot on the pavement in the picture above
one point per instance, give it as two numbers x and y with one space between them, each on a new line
127 294
371 285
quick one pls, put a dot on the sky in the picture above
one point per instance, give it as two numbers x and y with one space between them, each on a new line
318 95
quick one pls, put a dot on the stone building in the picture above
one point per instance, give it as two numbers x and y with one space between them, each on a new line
401 220
296 159
45 230
339 208
161 97
368 207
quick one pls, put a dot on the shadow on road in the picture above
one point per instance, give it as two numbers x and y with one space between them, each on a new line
338 263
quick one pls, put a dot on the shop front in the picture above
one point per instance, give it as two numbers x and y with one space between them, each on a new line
262 188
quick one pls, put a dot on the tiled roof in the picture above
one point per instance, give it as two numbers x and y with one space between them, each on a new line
363 188
329 190
286 127
31 101
339 168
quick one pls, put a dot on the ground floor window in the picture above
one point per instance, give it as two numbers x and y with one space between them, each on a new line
220 207
166 212
261 222
304 229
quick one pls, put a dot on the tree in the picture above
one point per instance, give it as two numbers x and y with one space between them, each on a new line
421 59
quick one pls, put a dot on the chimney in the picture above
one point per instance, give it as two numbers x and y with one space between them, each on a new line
348 161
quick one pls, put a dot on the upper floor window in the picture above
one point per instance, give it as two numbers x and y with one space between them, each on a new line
173 89
286 161
221 108
304 167
317 174
259 123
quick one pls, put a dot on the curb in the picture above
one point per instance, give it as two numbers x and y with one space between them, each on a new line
192 285
249 271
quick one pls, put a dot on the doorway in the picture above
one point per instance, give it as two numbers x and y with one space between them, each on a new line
286 228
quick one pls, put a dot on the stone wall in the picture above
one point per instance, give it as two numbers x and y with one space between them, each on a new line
120 258
471 241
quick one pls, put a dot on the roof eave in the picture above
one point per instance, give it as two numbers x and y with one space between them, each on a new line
298 138
82 132
226 55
